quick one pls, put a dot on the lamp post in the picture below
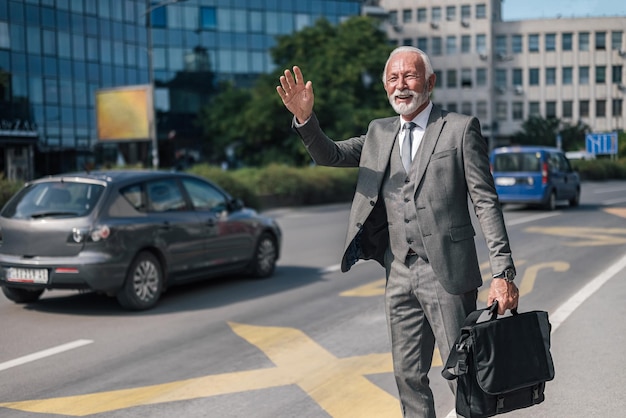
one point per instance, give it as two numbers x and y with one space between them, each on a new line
150 7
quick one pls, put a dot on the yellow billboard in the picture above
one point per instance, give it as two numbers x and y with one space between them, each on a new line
124 113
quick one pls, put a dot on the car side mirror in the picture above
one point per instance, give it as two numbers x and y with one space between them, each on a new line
235 204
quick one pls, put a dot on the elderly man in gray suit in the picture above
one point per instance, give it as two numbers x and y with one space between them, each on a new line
410 213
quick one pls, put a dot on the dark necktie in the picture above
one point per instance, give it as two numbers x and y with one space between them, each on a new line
407 144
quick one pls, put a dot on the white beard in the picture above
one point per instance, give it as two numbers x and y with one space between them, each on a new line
406 109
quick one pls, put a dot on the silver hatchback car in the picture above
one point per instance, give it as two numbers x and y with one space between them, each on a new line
128 234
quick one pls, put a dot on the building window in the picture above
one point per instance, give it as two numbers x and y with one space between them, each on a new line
517 77
208 18
435 14
600 41
451 79
501 47
481 76
501 110
534 109
422 43
481 11
451 107
407 15
583 41
550 76
481 43
501 80
568 108
600 108
583 108
466 108
451 45
567 41
436 46
517 44
439 76
466 44
481 110
5 41
533 43
583 75
466 77
600 74
518 110
550 110
550 41
616 74
466 11
407 42
568 75
617 107
451 12
616 40
393 17
533 76
422 15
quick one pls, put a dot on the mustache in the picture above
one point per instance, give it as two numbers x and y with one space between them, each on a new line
405 92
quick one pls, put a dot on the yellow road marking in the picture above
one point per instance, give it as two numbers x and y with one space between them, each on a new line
588 237
338 385
616 211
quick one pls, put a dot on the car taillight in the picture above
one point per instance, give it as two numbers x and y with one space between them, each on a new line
544 173
99 233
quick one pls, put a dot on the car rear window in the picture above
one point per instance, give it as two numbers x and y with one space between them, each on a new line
53 199
517 161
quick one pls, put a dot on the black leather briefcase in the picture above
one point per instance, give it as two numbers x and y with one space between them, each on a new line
501 364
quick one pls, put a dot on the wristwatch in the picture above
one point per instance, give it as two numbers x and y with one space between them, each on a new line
508 274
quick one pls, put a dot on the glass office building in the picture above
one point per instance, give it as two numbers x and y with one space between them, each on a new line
56 54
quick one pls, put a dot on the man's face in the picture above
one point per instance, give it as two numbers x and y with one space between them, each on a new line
407 88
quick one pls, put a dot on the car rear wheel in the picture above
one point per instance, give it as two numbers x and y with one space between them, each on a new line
21 295
265 256
550 204
575 201
143 285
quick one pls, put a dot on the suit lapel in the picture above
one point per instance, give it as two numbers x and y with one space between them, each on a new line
388 138
434 127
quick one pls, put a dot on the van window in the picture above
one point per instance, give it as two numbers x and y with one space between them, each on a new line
517 161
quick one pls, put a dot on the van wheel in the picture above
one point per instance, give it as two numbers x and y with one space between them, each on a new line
143 284
575 201
550 204
263 263
21 295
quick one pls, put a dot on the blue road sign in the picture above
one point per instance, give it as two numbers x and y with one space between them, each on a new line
599 144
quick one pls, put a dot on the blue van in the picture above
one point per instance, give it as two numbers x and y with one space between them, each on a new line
534 175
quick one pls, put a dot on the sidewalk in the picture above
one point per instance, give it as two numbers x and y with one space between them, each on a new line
588 340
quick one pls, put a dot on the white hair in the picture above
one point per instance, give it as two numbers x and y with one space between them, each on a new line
427 65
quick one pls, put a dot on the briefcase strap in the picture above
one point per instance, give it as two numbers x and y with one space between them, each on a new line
456 364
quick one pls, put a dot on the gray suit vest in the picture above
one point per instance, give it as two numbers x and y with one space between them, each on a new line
397 192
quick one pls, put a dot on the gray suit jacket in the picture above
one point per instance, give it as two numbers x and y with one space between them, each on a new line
453 164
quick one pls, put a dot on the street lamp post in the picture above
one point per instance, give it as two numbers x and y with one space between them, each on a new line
150 7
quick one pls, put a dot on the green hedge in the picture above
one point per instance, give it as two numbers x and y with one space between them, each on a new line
601 169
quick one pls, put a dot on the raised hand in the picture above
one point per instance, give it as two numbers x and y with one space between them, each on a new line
297 96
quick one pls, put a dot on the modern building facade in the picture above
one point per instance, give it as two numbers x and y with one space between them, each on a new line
505 71
56 54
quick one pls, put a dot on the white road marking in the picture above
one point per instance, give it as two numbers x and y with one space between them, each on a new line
331 269
532 218
613 201
566 309
44 353
609 189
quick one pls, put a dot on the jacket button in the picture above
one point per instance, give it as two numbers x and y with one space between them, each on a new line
359 225
409 241
407 180
372 203
406 200
406 221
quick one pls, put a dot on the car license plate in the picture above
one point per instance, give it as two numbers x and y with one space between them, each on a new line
505 181
21 275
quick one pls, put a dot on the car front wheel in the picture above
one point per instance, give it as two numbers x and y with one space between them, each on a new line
575 201
264 261
143 285
21 295
550 204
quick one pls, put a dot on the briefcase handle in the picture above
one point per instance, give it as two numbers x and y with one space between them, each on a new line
493 310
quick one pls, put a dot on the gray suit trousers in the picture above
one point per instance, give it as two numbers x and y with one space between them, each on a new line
419 313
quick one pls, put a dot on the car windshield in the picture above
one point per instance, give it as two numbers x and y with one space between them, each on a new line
517 161
53 199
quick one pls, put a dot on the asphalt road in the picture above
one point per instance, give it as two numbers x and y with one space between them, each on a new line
310 342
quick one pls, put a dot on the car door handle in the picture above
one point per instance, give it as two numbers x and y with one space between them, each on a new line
210 222
165 226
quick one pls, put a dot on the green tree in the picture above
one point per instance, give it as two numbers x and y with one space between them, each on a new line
539 131
344 62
